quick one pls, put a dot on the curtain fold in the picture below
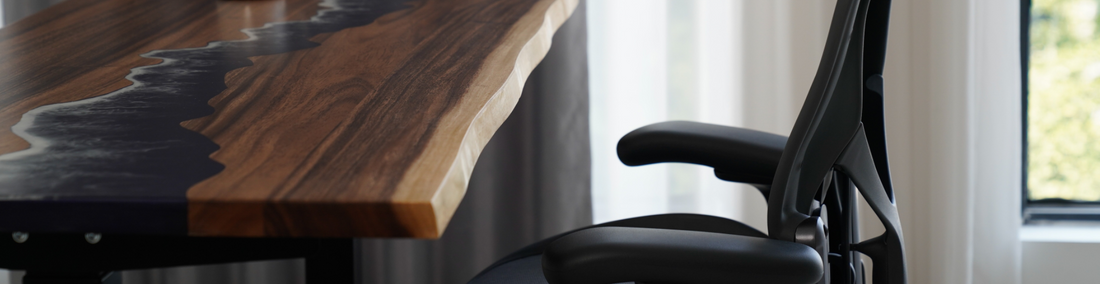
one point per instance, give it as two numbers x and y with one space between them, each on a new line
953 117
953 122
532 180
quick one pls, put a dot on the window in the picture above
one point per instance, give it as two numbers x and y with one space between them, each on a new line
1061 53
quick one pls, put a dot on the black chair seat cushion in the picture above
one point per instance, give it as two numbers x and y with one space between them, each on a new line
525 265
527 270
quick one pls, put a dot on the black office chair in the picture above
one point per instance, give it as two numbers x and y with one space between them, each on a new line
838 144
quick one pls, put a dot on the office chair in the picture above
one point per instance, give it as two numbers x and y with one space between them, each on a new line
837 147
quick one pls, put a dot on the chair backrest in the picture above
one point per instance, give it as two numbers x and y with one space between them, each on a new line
840 129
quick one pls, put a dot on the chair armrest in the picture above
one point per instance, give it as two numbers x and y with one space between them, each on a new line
736 154
620 254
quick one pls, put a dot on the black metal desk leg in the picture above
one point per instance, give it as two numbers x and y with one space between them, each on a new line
336 261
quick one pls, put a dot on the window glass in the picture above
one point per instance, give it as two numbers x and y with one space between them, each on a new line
1064 101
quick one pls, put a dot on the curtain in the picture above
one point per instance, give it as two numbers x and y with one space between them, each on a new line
738 63
532 180
954 128
11 11
953 117
953 114
657 60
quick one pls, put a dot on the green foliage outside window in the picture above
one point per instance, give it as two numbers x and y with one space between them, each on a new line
1064 101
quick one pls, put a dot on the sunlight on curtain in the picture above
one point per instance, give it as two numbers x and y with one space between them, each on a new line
952 114
653 61
729 62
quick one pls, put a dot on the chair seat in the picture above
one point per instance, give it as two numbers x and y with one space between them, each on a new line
525 265
527 270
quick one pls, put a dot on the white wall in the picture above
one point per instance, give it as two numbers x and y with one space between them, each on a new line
1061 262
1061 253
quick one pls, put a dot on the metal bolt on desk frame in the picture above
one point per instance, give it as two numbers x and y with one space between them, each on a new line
20 237
93 238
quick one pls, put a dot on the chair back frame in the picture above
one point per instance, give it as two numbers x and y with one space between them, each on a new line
838 147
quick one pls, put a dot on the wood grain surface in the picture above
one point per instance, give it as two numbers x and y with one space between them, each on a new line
85 48
371 130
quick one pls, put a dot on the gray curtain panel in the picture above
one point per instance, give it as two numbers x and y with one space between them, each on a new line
14 10
532 181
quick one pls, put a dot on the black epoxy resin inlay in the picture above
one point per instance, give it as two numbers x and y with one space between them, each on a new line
128 144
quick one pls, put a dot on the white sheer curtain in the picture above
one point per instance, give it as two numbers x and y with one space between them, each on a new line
954 124
738 63
952 103
651 61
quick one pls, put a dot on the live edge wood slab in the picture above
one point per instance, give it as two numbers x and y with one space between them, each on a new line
295 118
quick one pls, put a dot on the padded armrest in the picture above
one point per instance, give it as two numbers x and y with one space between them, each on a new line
620 254
736 154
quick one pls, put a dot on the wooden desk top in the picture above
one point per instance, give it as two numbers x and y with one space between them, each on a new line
347 118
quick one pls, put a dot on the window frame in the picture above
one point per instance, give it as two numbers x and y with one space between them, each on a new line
1051 210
